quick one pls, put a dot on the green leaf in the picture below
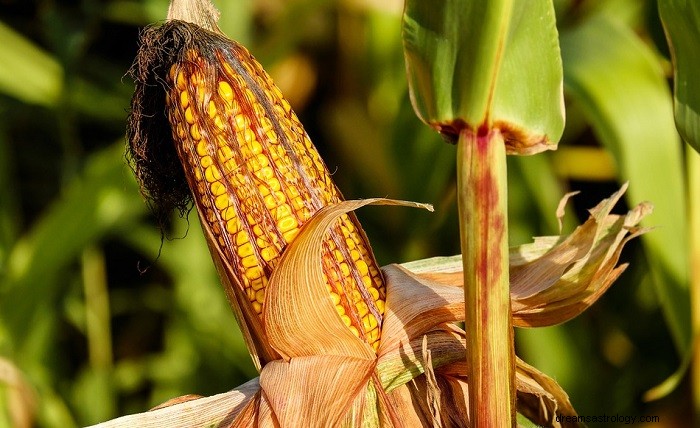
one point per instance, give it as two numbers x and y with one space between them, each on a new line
681 21
623 93
100 200
28 73
493 63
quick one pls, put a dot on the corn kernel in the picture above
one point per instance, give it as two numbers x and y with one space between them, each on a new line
222 201
233 225
189 116
206 161
184 99
217 189
181 81
346 320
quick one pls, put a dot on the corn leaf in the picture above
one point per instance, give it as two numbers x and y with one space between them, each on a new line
623 93
99 200
681 21
28 73
486 63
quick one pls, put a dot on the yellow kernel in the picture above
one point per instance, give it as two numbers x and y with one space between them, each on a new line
194 132
287 224
249 136
206 161
189 116
298 203
228 69
362 267
184 99
233 224
354 330
222 201
257 284
340 309
279 110
212 109
373 335
334 297
354 254
258 109
338 255
380 306
229 213
276 92
245 250
374 293
273 200
362 308
375 344
285 104
225 153
257 307
348 223
219 123
226 92
249 261
259 161
255 147
212 174
202 148
231 166
282 211
289 236
264 191
366 322
198 174
217 188
253 273
274 184
181 81
265 173
346 320
355 296
344 269
241 238
260 296
268 253
250 219
250 96
241 122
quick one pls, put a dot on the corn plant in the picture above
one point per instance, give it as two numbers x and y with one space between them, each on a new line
392 334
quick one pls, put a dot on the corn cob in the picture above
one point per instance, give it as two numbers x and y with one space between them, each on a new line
257 178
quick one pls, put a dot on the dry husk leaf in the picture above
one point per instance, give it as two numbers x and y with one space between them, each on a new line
325 377
555 278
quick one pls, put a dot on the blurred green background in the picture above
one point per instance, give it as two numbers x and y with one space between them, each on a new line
102 315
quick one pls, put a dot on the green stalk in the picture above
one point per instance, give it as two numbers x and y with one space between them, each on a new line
482 201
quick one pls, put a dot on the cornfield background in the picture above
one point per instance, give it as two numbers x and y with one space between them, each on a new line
102 315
